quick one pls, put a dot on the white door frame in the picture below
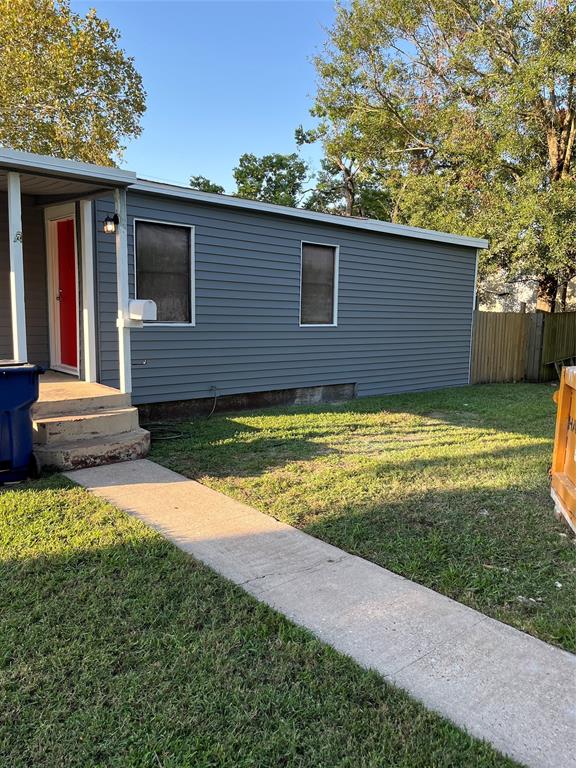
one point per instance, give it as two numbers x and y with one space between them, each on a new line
89 362
52 215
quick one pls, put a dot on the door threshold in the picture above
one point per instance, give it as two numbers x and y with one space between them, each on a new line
68 371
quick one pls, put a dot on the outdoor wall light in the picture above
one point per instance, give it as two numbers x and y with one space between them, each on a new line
110 224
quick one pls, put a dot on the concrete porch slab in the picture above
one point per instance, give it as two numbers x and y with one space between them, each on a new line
496 682
60 394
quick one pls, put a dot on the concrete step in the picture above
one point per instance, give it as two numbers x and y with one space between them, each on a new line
77 454
86 404
63 429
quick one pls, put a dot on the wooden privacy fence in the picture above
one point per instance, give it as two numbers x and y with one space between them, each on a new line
509 346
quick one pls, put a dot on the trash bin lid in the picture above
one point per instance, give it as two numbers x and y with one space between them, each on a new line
11 367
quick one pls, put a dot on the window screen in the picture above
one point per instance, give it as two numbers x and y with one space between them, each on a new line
317 288
163 269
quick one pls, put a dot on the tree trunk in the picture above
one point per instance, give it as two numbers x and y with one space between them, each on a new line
563 296
547 289
348 186
349 198
349 192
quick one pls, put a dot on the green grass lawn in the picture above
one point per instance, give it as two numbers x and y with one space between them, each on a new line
449 488
118 650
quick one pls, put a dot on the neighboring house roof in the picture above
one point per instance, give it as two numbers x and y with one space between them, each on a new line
43 165
373 225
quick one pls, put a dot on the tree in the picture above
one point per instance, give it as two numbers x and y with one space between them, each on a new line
274 178
342 188
343 185
205 185
66 88
467 110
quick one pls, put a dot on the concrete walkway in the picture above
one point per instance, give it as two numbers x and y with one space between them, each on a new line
496 682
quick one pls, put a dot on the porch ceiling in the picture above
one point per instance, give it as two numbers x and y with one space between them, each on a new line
47 186
51 177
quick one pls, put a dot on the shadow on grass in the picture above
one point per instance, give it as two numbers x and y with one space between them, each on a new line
232 448
522 409
465 510
119 650
224 442
500 552
249 443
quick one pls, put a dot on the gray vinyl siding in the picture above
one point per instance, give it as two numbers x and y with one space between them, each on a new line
36 296
106 303
404 309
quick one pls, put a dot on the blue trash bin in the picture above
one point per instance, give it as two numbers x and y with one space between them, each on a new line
18 392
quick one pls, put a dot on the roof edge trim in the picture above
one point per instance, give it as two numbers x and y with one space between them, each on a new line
372 225
28 162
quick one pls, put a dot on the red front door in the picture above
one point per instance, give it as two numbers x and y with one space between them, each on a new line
67 308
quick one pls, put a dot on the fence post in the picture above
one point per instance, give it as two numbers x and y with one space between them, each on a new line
534 354
474 345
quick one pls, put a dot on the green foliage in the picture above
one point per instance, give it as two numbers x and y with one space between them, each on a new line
345 185
205 185
66 88
467 111
274 178
345 189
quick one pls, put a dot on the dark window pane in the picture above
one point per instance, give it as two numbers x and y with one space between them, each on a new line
163 269
317 289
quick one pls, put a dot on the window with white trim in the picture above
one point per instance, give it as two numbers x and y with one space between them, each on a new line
318 284
164 269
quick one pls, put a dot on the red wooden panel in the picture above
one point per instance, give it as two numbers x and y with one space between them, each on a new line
67 294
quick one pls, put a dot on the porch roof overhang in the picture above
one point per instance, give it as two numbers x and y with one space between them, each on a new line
50 178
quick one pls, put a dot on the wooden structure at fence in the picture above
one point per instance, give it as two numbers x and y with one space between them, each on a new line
510 346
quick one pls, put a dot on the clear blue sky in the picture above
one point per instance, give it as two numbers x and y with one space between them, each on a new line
222 78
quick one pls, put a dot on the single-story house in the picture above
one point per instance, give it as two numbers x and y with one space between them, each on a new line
249 297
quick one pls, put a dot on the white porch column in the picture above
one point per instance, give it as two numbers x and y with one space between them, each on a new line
124 356
88 311
17 301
